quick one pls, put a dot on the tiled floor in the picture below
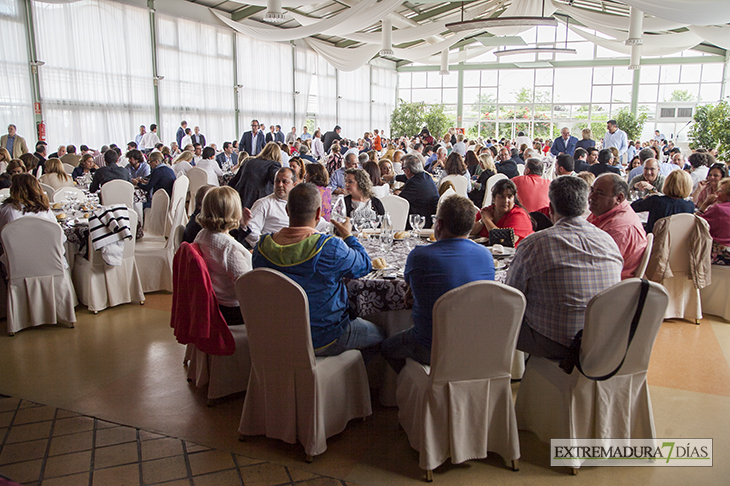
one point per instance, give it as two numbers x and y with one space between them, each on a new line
124 367
48 446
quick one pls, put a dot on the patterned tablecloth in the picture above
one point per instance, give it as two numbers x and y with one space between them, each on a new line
374 293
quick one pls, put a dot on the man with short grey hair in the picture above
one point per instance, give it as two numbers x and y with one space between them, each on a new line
644 155
560 269
419 190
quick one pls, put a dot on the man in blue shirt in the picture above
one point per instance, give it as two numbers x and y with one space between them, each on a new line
137 167
161 177
318 263
433 270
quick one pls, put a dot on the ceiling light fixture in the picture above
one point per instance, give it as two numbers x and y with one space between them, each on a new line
387 46
274 13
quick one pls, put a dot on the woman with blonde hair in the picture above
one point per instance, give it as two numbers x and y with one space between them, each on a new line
677 187
5 158
26 199
485 170
587 141
55 175
389 153
226 258
181 165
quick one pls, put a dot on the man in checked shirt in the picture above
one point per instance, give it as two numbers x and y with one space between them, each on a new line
560 269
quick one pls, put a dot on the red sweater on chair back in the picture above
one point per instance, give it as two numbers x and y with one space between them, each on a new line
195 316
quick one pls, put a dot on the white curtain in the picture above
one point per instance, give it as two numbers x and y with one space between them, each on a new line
305 70
96 85
265 71
354 102
15 95
326 100
196 61
383 83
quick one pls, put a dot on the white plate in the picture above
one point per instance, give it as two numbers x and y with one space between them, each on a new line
426 232
499 265
507 251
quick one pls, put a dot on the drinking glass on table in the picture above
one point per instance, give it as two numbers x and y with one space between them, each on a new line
417 223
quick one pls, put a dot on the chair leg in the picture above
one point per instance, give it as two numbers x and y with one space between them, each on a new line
141 302
697 321
516 465
574 471
11 334
429 476
309 458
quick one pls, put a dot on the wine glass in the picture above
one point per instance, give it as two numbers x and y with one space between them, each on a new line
413 220
420 223
386 240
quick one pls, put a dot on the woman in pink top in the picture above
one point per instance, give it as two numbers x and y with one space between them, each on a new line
716 210
710 185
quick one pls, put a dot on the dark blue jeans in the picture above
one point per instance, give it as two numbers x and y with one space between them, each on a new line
397 348
359 334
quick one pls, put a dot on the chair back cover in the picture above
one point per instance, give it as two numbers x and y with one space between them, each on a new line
68 168
475 331
95 255
60 194
39 288
607 325
490 184
680 228
447 193
195 315
5 191
178 221
118 191
398 209
179 192
198 178
641 269
156 219
284 328
460 183
49 190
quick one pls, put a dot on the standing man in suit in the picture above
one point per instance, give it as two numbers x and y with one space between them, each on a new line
278 135
291 137
14 143
40 152
271 136
564 144
330 137
228 156
253 141
181 133
198 137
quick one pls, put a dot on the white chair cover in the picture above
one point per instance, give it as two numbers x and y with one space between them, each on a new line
553 404
398 209
447 193
118 191
154 256
291 394
39 288
641 269
100 285
716 296
521 169
460 183
490 184
684 298
68 168
60 194
461 406
224 375
198 178
179 192
156 217
5 192
48 190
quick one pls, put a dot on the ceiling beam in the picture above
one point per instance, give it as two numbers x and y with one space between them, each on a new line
246 12
438 11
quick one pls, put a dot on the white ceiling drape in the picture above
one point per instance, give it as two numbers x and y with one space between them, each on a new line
654 45
716 34
599 21
697 12
343 59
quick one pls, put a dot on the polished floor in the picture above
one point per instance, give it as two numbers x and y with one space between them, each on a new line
118 376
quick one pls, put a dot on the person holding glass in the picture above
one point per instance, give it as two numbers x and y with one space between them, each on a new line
710 185
506 211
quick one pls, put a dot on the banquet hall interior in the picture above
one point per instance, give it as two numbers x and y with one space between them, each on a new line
108 402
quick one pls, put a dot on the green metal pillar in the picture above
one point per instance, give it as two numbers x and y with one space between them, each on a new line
155 74
236 86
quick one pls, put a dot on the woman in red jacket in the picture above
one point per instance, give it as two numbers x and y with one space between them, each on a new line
505 212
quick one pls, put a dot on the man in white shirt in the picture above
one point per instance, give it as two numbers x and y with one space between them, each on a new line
138 138
268 214
187 139
150 139
209 165
615 137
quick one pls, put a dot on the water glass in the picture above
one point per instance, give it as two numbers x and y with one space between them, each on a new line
386 240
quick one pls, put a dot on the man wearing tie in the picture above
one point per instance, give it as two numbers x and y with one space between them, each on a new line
565 144
252 142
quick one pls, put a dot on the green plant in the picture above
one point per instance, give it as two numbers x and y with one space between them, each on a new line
407 118
681 95
630 123
711 129
437 121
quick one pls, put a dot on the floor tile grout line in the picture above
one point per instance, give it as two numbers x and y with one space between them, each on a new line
238 469
291 479
10 425
48 448
93 453
187 462
139 456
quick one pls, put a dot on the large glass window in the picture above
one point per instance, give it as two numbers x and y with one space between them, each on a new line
15 95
